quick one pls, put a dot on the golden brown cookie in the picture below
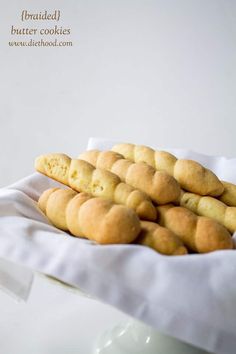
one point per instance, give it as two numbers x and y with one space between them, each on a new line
83 177
159 185
160 239
94 218
191 175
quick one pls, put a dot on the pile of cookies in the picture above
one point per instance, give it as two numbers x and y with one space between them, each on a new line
134 194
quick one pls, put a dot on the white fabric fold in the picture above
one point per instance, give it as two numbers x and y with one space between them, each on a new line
191 297
15 280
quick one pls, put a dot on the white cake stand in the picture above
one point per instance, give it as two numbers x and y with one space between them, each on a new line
135 337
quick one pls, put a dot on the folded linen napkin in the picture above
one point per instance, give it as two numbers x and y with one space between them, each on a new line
192 298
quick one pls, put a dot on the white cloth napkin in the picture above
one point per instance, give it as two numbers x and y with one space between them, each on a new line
191 297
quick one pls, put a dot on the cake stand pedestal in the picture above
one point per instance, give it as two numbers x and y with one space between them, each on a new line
135 337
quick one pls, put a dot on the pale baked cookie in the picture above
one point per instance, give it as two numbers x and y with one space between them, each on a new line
229 195
160 239
212 208
159 185
83 177
200 234
191 175
94 218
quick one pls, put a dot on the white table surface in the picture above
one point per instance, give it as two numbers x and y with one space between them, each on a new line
53 320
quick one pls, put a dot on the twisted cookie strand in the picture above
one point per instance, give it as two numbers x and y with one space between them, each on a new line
94 218
159 185
198 233
83 177
190 174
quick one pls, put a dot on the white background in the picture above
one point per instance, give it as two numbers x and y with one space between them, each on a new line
158 72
